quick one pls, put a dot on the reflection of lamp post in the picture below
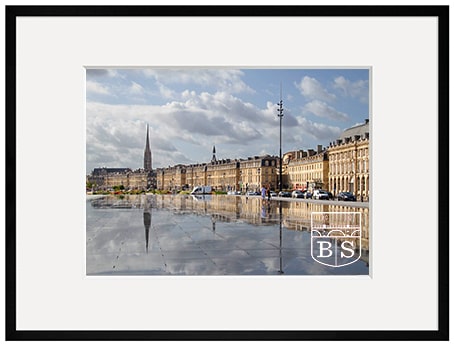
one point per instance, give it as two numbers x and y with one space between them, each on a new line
280 238
280 114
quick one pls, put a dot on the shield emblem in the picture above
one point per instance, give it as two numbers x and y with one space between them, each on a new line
336 238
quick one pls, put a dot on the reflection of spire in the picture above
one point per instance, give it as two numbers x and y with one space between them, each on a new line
146 222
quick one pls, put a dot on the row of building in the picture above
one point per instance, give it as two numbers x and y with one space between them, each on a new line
342 166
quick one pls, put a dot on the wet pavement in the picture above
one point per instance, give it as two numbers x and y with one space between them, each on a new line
209 235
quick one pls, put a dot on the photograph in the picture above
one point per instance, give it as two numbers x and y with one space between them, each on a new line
222 171
227 173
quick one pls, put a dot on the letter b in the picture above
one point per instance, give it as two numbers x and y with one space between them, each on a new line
324 248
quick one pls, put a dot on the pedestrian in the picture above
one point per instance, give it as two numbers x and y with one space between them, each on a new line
263 192
268 192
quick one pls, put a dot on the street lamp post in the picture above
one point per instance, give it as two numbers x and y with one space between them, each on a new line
280 114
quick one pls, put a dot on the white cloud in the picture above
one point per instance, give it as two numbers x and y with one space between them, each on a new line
320 132
313 89
97 88
220 79
136 89
357 89
323 110
166 92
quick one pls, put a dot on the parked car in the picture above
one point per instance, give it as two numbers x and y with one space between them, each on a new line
320 194
273 194
234 192
346 196
252 193
285 194
297 194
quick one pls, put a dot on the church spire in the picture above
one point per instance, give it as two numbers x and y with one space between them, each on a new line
147 154
213 159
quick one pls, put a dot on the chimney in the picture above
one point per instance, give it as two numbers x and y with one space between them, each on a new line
366 121
319 148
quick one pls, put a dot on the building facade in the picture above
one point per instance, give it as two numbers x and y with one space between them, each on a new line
222 175
254 172
307 170
348 160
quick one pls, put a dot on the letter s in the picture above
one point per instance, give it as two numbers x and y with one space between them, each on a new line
348 249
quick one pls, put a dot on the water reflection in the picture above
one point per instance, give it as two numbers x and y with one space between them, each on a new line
208 235
147 221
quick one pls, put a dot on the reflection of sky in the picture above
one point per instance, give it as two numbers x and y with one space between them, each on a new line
162 235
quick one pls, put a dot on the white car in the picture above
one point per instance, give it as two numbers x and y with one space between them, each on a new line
320 194
297 194
234 193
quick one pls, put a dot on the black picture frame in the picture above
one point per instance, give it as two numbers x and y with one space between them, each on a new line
441 12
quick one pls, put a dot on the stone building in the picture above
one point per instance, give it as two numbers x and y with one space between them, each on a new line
222 175
307 170
101 178
348 160
257 171
196 175
140 179
131 180
171 178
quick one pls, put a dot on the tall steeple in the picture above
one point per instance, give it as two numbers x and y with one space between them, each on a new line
213 159
147 155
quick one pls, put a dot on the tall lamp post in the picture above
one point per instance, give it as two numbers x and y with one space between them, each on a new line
280 114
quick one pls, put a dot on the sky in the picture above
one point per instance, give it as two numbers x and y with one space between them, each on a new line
190 110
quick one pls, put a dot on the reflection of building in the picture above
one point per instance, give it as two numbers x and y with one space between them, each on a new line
349 162
296 215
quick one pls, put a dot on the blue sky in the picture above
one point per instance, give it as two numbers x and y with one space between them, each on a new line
191 109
